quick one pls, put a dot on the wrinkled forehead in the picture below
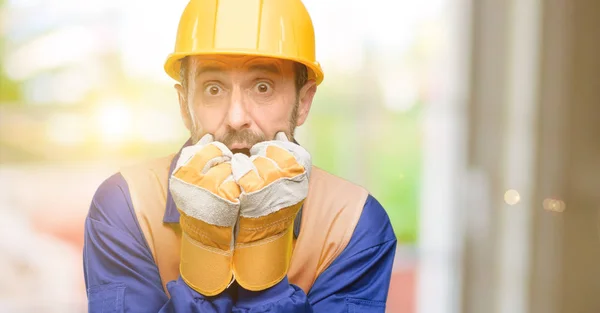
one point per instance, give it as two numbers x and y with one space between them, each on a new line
241 63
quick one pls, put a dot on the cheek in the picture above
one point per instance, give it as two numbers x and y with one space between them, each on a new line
209 119
273 118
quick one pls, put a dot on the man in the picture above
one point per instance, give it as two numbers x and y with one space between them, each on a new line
239 220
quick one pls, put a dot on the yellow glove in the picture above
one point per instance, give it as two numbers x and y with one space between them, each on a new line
206 195
274 183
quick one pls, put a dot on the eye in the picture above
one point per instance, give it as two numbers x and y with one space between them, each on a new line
213 90
263 88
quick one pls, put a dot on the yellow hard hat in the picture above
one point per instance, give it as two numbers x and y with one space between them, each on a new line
270 28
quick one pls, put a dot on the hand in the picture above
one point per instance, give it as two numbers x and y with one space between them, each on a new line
274 184
207 197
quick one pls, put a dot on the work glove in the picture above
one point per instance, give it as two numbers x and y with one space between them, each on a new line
207 198
274 184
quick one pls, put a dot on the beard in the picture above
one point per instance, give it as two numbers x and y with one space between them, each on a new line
245 136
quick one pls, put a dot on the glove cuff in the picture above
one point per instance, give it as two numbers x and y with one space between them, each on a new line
261 265
263 249
205 264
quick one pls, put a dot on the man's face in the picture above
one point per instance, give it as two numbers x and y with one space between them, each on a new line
242 100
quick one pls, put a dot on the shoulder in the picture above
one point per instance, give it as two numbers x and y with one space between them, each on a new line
111 205
374 226
337 187
352 205
148 177
328 190
372 236
333 202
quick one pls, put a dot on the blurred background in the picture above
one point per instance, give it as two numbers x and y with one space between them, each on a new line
475 123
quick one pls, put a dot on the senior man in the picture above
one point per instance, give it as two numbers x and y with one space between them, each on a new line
238 220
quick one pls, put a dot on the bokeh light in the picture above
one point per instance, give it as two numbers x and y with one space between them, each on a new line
554 205
512 197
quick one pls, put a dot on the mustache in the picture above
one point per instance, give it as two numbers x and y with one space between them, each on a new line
245 136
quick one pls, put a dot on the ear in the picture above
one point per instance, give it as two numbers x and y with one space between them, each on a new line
305 99
184 110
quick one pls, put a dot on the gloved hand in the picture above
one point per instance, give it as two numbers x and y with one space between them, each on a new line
274 183
207 197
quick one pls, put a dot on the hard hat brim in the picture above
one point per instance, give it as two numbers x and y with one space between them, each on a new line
173 63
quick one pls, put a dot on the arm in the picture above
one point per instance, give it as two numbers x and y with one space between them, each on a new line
357 281
120 273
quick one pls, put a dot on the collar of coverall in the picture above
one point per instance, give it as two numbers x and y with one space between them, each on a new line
171 213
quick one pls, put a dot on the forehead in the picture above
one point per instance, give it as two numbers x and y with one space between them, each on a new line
223 63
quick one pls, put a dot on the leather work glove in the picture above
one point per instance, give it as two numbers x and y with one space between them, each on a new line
274 183
207 197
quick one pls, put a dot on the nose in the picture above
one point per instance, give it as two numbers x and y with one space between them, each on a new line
238 116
